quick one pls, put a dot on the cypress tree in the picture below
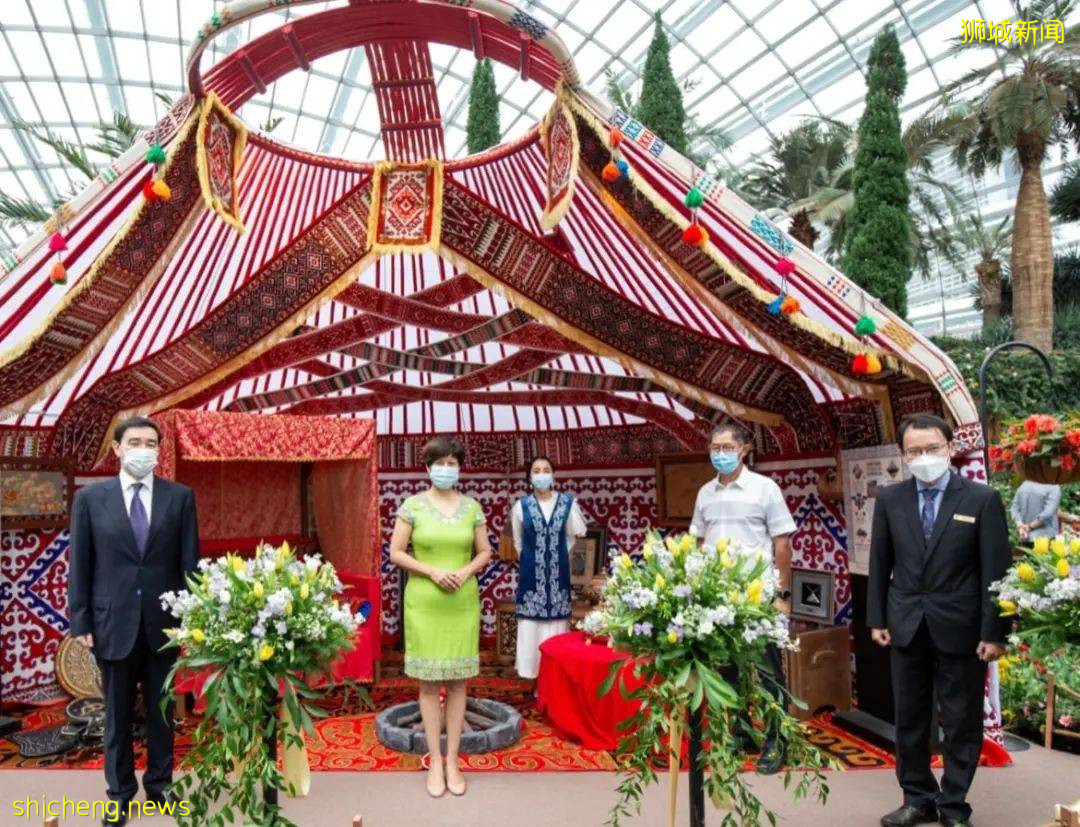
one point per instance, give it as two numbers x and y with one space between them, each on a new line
482 126
877 246
661 105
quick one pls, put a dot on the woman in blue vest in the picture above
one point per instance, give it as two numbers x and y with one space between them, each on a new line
544 524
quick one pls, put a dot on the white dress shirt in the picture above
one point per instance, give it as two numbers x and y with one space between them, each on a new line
750 511
146 493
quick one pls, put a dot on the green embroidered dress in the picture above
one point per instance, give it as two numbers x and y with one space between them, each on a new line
442 630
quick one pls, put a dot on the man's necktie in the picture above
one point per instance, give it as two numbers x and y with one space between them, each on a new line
140 524
928 512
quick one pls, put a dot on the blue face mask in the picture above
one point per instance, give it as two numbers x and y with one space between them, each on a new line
444 476
542 482
724 461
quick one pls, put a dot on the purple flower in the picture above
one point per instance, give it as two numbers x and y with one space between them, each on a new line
643 629
684 591
676 630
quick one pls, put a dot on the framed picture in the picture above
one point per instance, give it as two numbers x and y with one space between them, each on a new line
679 477
35 493
588 557
812 596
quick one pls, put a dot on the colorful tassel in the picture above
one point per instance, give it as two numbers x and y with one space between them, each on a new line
610 172
616 137
859 365
776 305
155 155
148 191
58 273
790 305
784 266
873 364
623 167
695 234
694 198
161 189
57 243
865 327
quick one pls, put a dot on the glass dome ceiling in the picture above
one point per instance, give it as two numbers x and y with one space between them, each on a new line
751 69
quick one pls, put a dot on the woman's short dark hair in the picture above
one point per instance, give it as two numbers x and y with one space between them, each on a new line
533 461
923 422
135 422
442 446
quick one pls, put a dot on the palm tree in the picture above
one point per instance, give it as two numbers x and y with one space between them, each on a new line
1065 198
990 243
1024 100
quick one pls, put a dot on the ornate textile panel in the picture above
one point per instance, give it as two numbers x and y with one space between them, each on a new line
220 148
406 207
287 286
858 423
270 503
559 140
526 266
118 275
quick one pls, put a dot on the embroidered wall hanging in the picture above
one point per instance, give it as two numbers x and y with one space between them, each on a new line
219 151
558 137
406 212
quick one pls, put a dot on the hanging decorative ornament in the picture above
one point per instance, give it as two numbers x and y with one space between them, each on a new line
873 364
865 326
694 198
617 168
865 363
58 273
610 172
57 244
616 137
859 365
155 155
156 189
784 266
790 305
148 191
694 233
776 305
623 167
161 189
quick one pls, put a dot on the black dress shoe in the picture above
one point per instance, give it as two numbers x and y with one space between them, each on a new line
908 816
953 822
121 816
166 801
772 758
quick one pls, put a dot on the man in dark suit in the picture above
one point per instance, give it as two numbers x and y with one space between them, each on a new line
938 542
133 537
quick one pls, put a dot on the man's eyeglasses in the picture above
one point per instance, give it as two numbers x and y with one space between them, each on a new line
723 449
929 450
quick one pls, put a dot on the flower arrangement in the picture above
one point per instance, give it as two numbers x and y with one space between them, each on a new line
685 612
263 627
1023 690
1042 448
1042 590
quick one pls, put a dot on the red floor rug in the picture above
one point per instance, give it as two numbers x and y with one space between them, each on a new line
346 742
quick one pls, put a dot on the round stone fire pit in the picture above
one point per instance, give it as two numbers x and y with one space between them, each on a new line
489 725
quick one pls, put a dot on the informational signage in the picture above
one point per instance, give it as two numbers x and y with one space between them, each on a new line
864 471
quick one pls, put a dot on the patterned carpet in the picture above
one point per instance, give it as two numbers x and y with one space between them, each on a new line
345 741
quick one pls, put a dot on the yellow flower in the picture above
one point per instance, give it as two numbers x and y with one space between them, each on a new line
625 561
288 608
672 637
726 561
1008 608
197 635
258 589
647 552
285 549
1074 545
753 591
1025 572
660 581
294 580
237 563
687 543
672 546
266 652
1063 567
733 596
722 545
1041 545
305 591
1058 547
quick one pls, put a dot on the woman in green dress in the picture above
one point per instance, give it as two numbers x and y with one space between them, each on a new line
442 601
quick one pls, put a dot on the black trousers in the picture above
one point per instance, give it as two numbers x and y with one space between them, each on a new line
119 678
772 681
919 669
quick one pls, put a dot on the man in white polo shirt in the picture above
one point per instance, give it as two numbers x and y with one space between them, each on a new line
748 509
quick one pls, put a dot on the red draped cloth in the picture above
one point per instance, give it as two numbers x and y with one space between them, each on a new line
571 673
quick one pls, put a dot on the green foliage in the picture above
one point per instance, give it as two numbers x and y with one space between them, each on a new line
661 105
877 249
1066 293
1065 197
482 128
1023 692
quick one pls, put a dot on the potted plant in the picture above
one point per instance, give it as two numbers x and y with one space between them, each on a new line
1041 448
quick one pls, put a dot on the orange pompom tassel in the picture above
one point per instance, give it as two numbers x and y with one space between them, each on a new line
58 273
610 172
148 191
790 305
695 234
873 364
161 189
616 137
859 364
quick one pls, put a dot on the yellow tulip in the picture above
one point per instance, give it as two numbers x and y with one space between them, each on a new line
237 564
726 561
288 608
1008 608
266 652
1063 567
285 549
672 546
1041 545
660 581
722 545
672 637
1025 572
258 589
1074 545
647 553
197 635
294 580
753 591
687 543
625 561
305 591
1058 547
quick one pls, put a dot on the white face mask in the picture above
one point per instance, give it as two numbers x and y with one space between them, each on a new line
928 469
139 462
